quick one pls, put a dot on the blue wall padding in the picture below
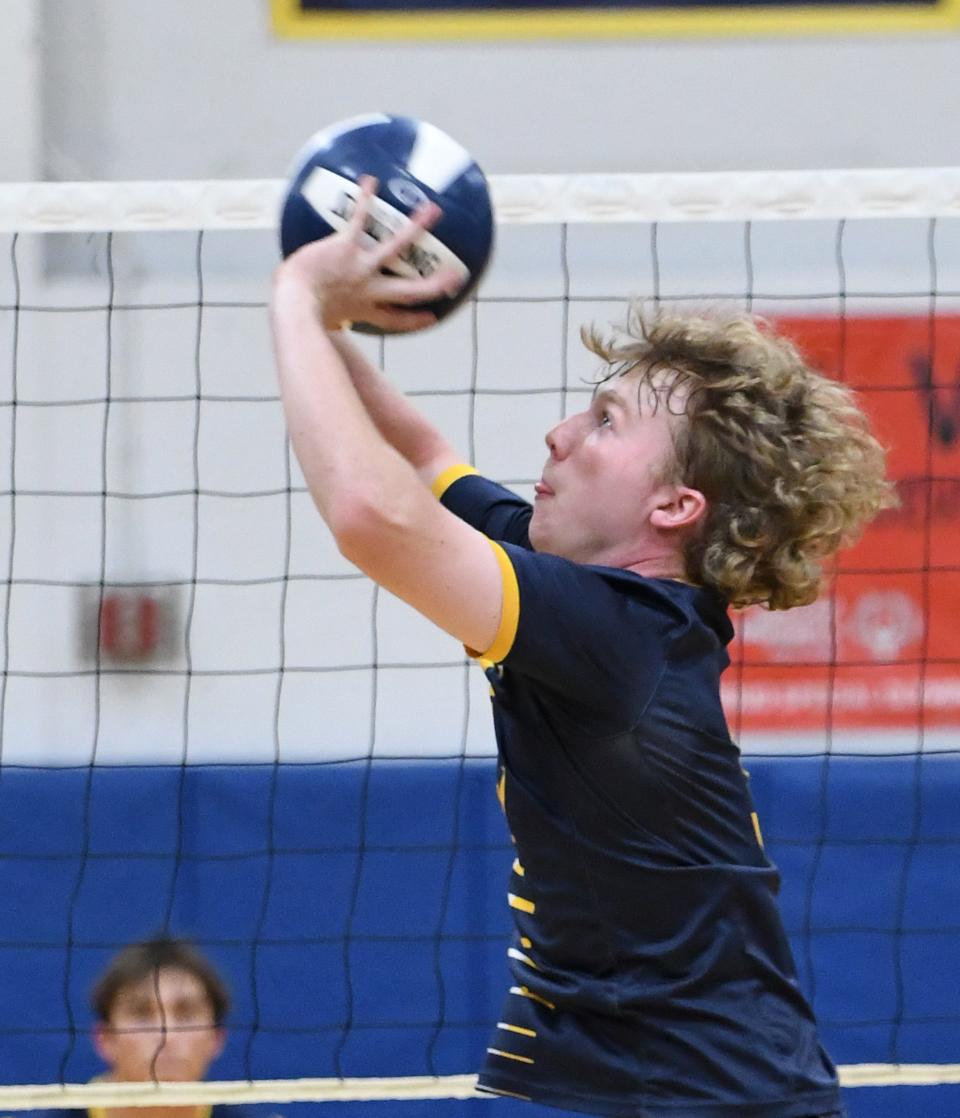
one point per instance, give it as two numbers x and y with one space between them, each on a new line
374 895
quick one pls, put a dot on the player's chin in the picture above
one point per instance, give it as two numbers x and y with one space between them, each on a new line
538 532
545 539
175 1073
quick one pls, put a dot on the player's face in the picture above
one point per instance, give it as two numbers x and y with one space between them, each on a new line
604 476
169 1037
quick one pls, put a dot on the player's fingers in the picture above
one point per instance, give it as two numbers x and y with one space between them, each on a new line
361 206
399 320
391 289
426 215
423 217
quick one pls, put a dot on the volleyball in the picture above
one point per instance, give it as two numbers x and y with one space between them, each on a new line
413 162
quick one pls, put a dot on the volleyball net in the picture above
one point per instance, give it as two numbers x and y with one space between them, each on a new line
213 727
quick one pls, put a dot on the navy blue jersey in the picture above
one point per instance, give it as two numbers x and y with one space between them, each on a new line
652 976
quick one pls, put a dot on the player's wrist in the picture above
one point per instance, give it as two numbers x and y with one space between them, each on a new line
295 287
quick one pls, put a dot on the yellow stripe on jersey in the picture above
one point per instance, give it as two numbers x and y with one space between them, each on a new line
517 868
524 942
509 609
521 903
516 1029
510 1056
513 953
443 481
523 992
500 1091
755 819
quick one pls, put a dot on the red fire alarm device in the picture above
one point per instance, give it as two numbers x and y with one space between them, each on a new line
130 625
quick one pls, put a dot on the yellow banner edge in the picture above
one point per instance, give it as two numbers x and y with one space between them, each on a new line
289 21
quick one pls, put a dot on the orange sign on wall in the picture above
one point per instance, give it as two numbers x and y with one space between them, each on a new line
881 647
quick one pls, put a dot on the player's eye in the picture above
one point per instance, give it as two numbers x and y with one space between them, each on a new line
604 419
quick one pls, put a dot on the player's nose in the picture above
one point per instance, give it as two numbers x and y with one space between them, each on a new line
560 438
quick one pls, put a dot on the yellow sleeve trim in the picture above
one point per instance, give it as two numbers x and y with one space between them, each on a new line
443 480
509 610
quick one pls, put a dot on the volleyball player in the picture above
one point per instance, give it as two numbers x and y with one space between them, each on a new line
160 1008
652 975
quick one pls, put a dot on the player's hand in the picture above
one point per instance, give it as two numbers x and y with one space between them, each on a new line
345 272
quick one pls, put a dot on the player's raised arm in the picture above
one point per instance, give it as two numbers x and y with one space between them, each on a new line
397 420
384 519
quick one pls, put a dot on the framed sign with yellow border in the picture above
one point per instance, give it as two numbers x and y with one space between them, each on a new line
613 19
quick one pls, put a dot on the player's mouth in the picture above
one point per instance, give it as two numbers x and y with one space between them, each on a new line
541 489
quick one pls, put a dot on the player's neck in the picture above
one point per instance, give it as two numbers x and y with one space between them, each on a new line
651 554
659 568
653 559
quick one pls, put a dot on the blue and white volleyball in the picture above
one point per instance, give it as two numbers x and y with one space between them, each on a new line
413 162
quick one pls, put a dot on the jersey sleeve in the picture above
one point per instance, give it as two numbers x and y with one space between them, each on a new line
597 639
486 506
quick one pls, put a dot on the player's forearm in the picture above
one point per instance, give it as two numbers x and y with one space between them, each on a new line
395 417
350 469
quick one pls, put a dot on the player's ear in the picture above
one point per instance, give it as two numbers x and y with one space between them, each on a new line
215 1041
679 507
103 1042
209 1046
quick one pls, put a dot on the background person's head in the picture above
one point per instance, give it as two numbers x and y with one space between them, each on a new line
782 454
160 1008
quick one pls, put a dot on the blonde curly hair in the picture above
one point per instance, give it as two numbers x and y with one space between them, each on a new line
783 454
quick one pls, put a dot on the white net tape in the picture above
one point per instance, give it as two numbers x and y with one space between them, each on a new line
519 199
267 1090
96 1095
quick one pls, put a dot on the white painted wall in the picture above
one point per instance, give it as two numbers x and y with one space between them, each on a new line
19 90
204 88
